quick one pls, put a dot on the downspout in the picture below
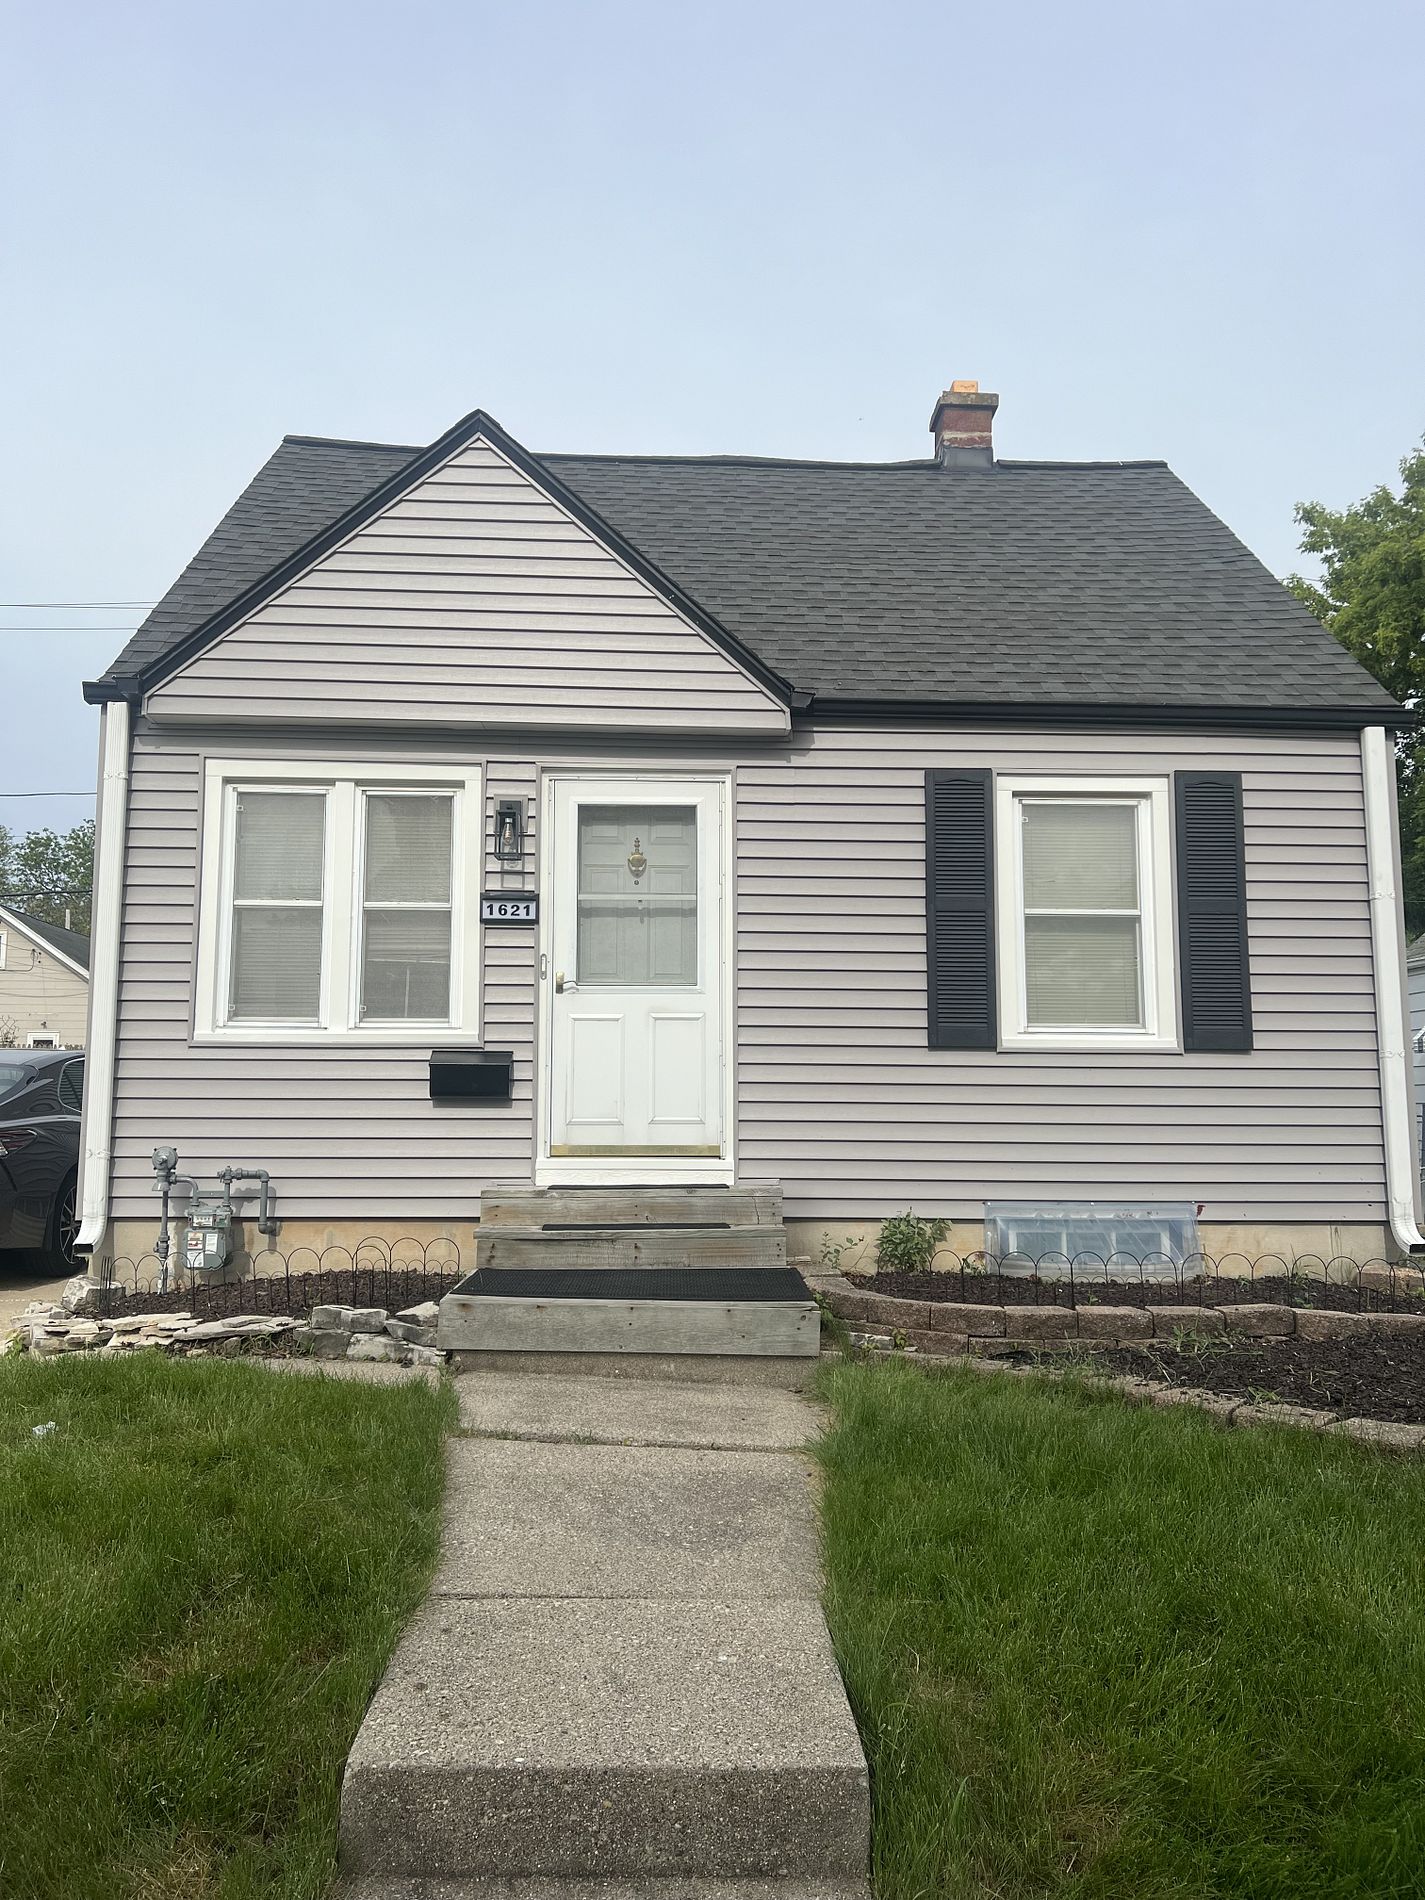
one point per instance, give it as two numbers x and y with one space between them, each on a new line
97 1124
1397 1087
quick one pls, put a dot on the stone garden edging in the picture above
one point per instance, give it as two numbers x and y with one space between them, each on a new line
919 1331
333 1332
954 1328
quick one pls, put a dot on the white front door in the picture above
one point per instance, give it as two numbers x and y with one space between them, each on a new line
635 979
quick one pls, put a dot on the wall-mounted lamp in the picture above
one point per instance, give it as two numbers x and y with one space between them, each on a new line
509 831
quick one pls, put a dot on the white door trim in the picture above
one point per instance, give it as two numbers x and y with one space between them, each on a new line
552 1171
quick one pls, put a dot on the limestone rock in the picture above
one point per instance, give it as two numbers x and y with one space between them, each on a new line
82 1295
379 1346
366 1319
426 1314
411 1333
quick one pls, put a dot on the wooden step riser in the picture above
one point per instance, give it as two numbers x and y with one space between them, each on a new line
741 1329
659 1247
631 1207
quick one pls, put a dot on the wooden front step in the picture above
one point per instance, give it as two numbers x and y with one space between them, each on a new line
646 1246
757 1205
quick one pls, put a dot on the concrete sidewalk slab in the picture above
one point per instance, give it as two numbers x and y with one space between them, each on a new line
547 1520
597 1738
629 1412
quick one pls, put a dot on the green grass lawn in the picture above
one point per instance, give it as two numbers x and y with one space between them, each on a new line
1099 1651
203 1569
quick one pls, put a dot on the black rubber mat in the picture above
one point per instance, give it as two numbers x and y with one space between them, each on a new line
716 1284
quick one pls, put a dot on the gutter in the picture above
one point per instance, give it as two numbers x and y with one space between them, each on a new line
1397 1086
96 1136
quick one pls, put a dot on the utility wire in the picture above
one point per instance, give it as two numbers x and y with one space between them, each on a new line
46 794
86 604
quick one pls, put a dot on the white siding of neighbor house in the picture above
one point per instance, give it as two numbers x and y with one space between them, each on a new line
1415 985
39 995
473 600
838 1097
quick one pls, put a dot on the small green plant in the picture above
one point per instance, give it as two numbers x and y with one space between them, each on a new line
1196 1345
833 1328
831 1250
907 1243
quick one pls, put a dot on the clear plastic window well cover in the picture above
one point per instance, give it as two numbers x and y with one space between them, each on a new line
1094 1239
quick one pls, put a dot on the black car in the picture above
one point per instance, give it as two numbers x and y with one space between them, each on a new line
40 1094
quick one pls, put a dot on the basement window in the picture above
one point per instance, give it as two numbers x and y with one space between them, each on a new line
1097 1238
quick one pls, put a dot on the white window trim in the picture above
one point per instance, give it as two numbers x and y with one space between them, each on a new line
1160 1027
4 945
343 780
42 1039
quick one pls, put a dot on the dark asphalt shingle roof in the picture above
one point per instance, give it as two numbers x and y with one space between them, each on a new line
70 943
1098 583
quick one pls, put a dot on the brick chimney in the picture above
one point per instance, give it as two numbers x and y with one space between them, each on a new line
963 427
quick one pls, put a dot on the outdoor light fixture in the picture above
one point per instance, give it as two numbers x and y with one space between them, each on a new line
509 832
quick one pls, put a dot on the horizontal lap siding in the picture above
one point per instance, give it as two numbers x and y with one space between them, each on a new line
474 598
346 1133
838 1096
840 1099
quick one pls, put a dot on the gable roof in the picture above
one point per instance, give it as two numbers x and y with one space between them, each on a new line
1031 585
70 946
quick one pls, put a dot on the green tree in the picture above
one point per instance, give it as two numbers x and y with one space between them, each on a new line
1372 597
47 873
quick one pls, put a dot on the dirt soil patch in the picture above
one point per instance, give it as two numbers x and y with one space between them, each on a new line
1357 1378
1024 1289
295 1294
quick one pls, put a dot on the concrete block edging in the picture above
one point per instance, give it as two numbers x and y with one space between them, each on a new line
921 1333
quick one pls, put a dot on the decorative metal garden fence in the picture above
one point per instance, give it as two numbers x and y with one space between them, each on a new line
402 1273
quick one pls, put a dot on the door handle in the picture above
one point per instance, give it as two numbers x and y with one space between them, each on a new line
559 982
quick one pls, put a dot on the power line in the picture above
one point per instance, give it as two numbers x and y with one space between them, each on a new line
7 604
46 794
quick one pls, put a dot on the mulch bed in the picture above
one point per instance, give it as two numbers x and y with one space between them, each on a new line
1225 1290
1356 1377
394 1288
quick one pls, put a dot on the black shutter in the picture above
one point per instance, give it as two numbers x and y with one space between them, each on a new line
1212 912
959 910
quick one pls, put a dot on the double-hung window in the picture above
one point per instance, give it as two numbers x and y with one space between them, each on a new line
338 901
1085 913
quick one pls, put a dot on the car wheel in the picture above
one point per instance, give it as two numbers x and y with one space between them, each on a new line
63 1227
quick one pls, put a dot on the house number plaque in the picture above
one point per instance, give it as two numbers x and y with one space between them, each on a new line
509 907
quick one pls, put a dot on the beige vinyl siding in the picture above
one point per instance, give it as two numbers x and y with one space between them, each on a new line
473 600
39 995
838 1096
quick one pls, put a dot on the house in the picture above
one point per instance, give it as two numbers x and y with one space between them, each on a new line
957 833
44 983
1415 993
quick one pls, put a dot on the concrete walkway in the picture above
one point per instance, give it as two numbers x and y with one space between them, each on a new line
621 1685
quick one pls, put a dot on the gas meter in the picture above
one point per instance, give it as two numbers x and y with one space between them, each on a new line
209 1239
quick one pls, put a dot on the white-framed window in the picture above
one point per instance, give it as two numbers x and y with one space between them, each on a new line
42 1039
1085 913
339 902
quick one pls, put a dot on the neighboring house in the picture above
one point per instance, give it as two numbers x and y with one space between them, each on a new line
44 982
938 833
1415 983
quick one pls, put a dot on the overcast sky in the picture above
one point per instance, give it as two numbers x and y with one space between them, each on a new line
1181 230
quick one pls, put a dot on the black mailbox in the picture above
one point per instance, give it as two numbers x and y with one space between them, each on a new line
458 1074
